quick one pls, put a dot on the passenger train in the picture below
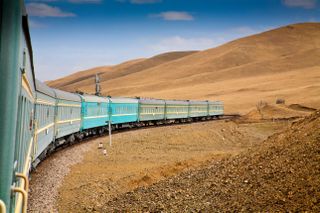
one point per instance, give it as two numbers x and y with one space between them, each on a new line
36 119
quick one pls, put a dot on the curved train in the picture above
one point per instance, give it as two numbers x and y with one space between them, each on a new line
37 119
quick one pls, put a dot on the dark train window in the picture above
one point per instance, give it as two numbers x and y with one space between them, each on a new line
31 120
48 113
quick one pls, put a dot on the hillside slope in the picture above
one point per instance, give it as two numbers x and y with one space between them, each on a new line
85 78
281 63
281 175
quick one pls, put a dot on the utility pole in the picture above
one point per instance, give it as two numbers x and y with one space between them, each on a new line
110 119
98 88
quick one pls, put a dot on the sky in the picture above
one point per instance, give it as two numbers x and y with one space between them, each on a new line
74 35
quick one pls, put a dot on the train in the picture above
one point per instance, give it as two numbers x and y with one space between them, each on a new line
35 119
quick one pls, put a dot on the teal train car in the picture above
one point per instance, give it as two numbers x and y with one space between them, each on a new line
198 109
17 99
151 109
177 109
68 115
123 110
94 111
215 108
44 119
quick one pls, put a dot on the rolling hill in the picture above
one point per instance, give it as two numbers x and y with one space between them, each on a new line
86 78
280 63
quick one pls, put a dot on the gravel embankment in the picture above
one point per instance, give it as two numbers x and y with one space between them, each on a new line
48 177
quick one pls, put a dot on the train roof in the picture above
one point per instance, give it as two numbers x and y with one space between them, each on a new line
177 102
67 95
94 98
151 101
199 102
43 88
26 32
215 102
123 100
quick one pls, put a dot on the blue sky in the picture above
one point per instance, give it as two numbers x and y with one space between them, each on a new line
73 35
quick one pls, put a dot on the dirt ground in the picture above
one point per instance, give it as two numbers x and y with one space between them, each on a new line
143 157
280 175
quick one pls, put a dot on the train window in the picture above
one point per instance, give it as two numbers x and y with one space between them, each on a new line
48 113
71 111
31 120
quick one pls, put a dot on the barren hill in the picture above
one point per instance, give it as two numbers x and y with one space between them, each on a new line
86 78
281 63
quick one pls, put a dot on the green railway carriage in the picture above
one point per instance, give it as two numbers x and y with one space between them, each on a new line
68 114
177 109
198 109
151 109
123 110
17 99
215 108
94 111
44 118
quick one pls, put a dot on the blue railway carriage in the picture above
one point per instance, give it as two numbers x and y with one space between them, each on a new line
151 109
123 110
44 119
94 111
68 115
177 109
198 109
215 108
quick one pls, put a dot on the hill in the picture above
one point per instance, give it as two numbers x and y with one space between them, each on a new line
281 175
269 112
281 63
85 78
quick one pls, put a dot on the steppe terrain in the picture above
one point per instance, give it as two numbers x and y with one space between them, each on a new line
267 160
281 63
